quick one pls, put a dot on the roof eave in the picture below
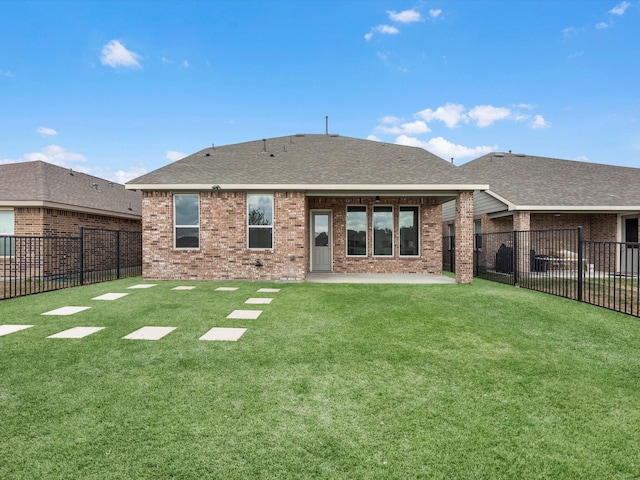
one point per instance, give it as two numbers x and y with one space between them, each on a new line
310 187
73 208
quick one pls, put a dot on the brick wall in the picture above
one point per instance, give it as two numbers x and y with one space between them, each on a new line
54 222
223 252
596 226
430 259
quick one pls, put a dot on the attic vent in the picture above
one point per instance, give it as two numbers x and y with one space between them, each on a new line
499 155
207 154
299 134
334 135
520 155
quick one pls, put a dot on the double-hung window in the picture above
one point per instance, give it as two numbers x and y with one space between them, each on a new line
7 241
409 226
357 230
383 231
260 220
186 215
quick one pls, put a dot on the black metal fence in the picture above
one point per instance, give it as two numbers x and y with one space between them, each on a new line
559 262
40 264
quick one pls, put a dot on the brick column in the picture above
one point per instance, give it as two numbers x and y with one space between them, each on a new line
464 237
522 224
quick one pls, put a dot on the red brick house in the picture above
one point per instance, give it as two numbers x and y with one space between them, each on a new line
41 199
280 208
539 193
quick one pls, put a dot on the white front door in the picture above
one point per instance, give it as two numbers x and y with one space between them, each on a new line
321 242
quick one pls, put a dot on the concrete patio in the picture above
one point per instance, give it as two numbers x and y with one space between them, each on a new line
407 278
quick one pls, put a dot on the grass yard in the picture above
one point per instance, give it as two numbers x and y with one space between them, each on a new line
331 381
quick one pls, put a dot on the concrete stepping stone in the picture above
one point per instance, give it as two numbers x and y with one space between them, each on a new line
224 334
142 285
244 314
66 311
76 332
149 333
226 289
183 287
259 301
268 290
110 296
7 329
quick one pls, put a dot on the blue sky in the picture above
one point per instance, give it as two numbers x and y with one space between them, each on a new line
120 88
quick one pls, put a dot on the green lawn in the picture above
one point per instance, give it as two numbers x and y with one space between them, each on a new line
331 382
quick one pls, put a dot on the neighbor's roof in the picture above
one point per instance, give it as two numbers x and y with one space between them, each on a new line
526 182
309 162
41 184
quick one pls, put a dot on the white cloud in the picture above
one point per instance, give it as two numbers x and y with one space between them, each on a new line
383 29
525 106
166 61
620 8
435 12
390 119
185 64
444 148
451 114
406 16
114 54
173 155
6 74
387 29
374 138
54 154
601 25
539 122
46 132
413 128
485 115
123 176
582 158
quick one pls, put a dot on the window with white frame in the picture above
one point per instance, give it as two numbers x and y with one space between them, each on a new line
186 215
7 225
260 221
409 231
357 230
383 230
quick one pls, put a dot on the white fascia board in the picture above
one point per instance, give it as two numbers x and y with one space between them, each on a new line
510 206
310 188
576 208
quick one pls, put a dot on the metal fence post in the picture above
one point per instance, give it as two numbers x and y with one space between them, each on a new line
515 258
580 263
81 259
118 254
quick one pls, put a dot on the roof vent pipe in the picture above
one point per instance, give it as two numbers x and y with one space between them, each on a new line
326 125
264 144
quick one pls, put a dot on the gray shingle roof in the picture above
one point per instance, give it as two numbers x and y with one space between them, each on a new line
528 180
41 183
307 160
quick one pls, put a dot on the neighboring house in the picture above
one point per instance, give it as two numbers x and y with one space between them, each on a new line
539 193
280 208
41 199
